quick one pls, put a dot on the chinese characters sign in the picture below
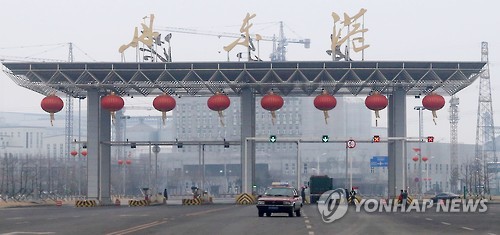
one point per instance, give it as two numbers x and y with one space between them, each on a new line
348 27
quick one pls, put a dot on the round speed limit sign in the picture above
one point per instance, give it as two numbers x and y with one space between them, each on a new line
351 144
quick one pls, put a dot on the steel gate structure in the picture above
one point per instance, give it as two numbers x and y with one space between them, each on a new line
395 79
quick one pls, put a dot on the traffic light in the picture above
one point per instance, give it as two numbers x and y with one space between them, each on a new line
179 144
226 144
376 138
325 138
430 138
372 170
272 138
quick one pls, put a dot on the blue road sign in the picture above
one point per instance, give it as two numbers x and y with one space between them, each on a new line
379 161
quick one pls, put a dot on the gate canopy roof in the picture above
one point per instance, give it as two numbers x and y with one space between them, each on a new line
299 78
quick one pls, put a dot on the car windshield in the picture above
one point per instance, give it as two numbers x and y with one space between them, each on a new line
280 192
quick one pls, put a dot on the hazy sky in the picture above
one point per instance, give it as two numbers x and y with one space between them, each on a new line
423 30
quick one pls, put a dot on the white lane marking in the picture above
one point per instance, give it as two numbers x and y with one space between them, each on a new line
428 219
491 234
307 221
445 223
311 233
308 226
467 228
14 218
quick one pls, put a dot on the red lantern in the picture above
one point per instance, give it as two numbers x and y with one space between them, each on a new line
120 162
128 162
425 159
52 104
415 159
433 102
84 153
164 103
74 153
112 103
272 102
219 102
376 102
325 102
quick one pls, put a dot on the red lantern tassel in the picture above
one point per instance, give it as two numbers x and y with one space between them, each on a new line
52 119
434 116
221 118
163 117
326 116
273 116
377 116
113 117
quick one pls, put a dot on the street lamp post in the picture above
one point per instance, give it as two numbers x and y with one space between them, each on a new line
156 150
420 134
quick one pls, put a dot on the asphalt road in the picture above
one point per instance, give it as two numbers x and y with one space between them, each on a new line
236 219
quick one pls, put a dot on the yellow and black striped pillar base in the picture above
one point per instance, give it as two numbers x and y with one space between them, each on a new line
85 203
189 202
138 203
245 199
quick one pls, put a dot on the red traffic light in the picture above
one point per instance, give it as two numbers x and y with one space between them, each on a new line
430 138
376 138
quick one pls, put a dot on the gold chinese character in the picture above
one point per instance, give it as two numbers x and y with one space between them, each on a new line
337 38
147 36
245 30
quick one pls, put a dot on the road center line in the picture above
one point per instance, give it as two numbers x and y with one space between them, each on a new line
467 228
428 219
137 228
445 223
209 211
308 226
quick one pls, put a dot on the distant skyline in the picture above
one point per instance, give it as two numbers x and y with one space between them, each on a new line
398 31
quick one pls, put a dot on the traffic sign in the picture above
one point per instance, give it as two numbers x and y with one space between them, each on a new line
272 138
351 143
430 138
379 161
376 138
325 138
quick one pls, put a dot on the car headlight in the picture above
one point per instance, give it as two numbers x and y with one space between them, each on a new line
260 202
287 203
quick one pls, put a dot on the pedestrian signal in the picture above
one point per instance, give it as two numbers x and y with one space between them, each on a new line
430 138
376 138
325 138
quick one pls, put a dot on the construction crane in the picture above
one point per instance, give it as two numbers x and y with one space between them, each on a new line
485 130
279 43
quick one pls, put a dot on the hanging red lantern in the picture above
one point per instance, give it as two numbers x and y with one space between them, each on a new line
272 102
325 102
84 153
112 103
164 103
425 159
120 162
376 102
219 102
415 159
433 102
52 104
128 161
73 153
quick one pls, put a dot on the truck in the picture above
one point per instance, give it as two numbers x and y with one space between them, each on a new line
318 184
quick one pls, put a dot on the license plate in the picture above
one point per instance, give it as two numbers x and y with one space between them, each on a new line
273 208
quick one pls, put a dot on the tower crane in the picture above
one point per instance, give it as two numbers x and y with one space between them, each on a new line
279 43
